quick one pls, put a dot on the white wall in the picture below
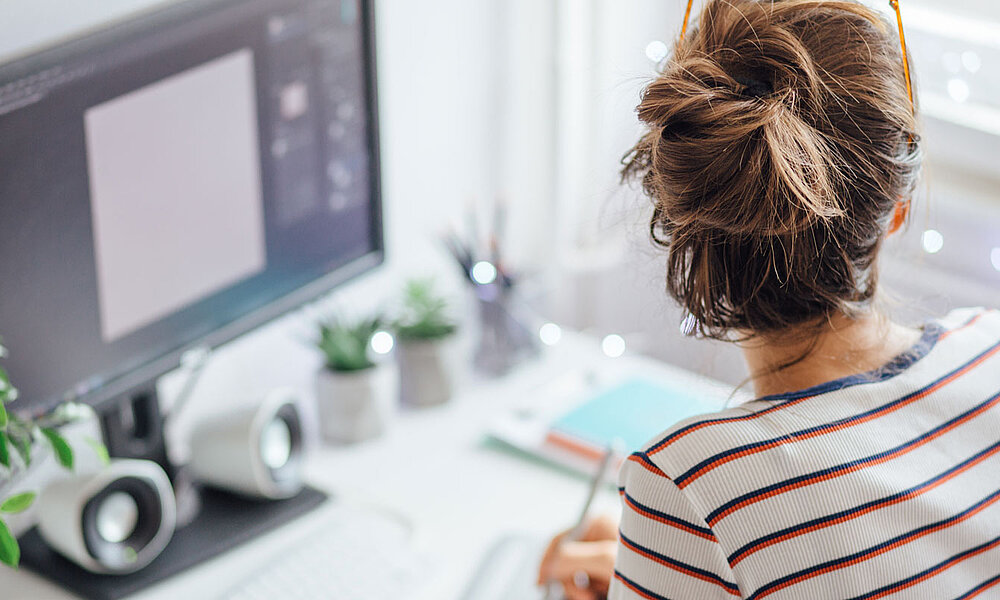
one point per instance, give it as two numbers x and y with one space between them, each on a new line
27 25
437 62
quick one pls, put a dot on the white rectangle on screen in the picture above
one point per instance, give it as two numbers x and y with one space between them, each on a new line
175 191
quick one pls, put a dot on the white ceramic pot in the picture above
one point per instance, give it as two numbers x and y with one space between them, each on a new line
428 370
356 405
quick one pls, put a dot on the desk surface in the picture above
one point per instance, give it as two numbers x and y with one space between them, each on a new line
434 468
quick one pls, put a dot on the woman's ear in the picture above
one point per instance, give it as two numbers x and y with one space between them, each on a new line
899 215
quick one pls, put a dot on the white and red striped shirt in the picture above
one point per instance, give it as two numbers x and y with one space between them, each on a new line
879 485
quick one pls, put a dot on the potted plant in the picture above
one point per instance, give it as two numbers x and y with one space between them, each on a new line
427 351
355 395
20 438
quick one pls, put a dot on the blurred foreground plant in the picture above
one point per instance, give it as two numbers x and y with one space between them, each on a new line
19 437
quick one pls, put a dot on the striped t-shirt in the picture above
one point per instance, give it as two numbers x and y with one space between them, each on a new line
882 485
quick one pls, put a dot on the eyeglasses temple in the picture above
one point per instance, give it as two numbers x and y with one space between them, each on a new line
906 61
687 15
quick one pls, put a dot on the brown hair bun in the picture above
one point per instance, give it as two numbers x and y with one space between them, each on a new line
778 146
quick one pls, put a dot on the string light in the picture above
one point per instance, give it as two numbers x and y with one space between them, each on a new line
550 334
932 241
613 345
484 273
656 51
382 342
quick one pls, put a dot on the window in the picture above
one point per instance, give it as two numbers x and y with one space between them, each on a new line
955 48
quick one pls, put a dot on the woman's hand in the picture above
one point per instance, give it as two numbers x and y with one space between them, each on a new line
583 567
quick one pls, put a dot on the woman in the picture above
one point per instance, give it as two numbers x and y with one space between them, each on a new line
781 153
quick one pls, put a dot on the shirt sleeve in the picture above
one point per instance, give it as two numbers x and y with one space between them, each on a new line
665 550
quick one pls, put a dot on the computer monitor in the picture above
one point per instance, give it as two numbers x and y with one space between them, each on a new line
176 180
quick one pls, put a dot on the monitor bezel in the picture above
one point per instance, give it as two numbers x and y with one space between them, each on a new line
144 376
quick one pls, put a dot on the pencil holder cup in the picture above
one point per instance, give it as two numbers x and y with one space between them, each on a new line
504 339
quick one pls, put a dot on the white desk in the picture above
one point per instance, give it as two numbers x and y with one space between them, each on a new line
433 467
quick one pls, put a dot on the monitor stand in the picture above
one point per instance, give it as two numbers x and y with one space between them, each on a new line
216 521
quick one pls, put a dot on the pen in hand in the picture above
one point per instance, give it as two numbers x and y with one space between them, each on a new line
553 590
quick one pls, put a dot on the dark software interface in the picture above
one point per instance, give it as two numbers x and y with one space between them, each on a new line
164 178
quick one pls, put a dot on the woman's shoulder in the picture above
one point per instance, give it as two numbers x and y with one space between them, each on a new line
691 448
681 447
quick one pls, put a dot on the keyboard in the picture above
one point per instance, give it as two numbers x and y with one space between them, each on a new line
354 555
508 570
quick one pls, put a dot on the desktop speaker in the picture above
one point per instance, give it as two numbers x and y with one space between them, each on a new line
256 452
115 521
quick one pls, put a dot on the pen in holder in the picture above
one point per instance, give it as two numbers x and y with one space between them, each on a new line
504 339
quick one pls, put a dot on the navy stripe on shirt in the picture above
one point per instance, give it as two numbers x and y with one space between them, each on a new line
944 565
677 565
707 464
830 472
876 550
862 509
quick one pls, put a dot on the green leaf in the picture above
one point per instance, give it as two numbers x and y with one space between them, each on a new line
10 552
4 450
345 343
3 416
63 452
99 449
424 313
4 378
17 503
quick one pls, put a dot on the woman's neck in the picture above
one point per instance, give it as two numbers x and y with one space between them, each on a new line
845 346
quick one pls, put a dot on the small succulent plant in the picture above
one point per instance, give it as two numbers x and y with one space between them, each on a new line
424 313
345 343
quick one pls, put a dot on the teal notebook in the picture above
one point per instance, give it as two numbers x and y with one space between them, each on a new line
635 411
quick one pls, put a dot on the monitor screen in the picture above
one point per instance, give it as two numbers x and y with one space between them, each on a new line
178 179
